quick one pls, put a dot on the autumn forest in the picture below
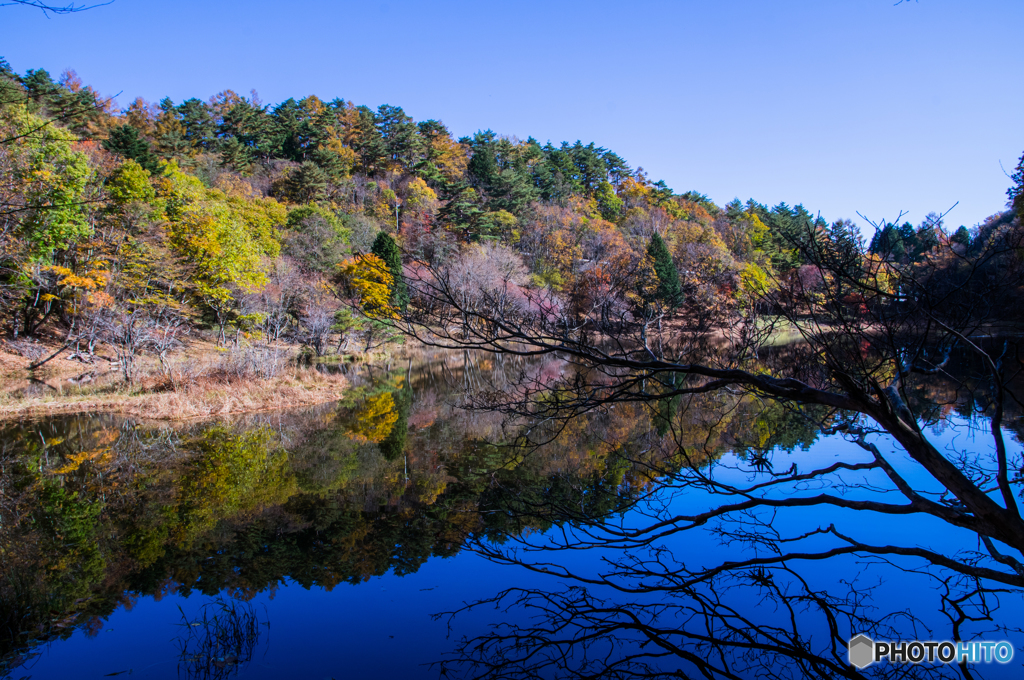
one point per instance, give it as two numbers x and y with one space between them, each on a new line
256 348
299 222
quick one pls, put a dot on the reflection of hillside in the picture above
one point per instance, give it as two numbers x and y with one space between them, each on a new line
965 390
393 475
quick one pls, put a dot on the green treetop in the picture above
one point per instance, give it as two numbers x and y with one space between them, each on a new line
1016 192
126 141
386 249
670 290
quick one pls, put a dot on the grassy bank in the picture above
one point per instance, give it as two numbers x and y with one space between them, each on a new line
205 381
149 399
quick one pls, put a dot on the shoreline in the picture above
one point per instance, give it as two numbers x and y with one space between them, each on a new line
209 389
209 398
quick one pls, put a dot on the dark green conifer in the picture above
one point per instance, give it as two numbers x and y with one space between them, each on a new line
926 238
368 143
961 236
670 290
200 127
126 141
888 242
307 183
1016 192
386 249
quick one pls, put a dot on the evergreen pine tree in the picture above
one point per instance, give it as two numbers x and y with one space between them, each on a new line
126 141
961 236
926 238
368 143
460 211
307 183
386 249
889 243
670 290
198 123
235 155
1016 192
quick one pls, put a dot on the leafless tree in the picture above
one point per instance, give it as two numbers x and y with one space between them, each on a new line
48 8
316 325
280 299
168 327
859 365
128 332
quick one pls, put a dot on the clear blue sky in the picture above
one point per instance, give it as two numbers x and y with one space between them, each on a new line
842 105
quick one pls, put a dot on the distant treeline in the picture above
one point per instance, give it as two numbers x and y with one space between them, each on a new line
260 220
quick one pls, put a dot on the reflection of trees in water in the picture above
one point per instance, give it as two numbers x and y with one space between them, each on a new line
220 640
715 534
240 508
98 507
763 564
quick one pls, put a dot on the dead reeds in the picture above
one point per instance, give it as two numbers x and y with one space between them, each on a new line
239 380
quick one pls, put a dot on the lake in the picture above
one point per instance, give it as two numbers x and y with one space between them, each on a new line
335 541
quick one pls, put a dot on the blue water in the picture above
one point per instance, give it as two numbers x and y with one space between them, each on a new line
383 627
378 629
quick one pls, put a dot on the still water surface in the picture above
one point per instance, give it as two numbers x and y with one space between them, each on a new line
335 534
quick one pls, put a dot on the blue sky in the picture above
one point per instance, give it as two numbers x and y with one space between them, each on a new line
842 105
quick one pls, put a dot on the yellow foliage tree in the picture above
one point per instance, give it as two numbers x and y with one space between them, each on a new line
224 238
419 197
878 273
449 157
374 419
370 280
754 283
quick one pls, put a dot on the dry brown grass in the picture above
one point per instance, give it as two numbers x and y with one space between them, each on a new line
206 397
203 386
16 355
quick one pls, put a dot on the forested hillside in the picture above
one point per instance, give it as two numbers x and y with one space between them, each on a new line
300 221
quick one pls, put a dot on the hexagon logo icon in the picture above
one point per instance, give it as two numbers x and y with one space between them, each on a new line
861 651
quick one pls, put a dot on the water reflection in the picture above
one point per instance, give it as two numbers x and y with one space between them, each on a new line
624 504
220 641
751 559
99 512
